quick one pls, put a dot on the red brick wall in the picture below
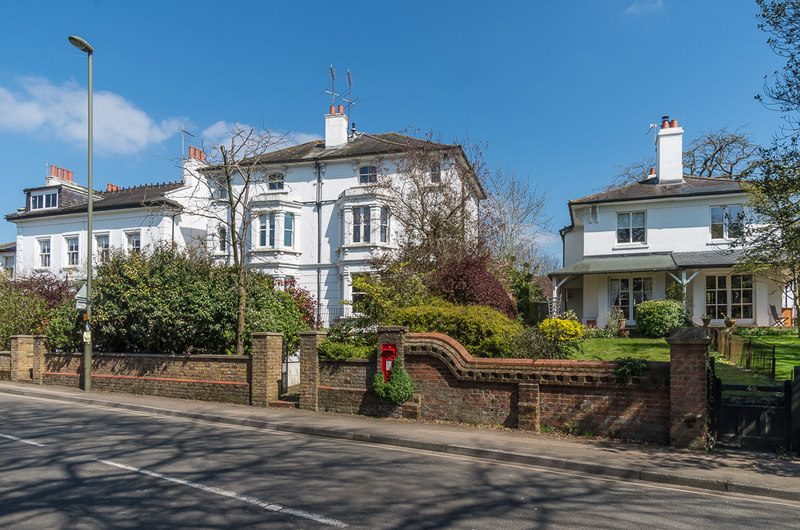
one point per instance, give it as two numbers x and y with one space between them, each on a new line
204 377
635 411
453 386
446 398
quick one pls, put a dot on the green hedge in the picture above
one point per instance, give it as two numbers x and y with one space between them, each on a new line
654 318
483 331
330 349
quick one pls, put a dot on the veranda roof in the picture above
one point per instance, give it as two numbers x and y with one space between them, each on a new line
668 261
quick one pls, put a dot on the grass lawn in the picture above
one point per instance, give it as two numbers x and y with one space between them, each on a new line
658 350
787 354
610 349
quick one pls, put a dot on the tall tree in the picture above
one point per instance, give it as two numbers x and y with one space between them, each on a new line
771 236
717 153
781 20
514 220
227 181
432 191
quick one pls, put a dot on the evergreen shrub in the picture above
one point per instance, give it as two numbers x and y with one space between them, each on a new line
654 318
398 389
483 331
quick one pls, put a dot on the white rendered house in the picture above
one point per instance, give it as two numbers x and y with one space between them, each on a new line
626 245
316 215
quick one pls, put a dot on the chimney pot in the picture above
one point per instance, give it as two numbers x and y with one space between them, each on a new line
191 151
52 170
665 124
674 123
652 171
70 176
341 109
202 156
333 109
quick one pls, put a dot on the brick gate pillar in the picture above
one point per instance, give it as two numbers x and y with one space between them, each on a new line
309 368
27 358
392 335
265 368
688 381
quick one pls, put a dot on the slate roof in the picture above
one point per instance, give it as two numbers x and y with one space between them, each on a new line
362 144
8 247
648 189
135 197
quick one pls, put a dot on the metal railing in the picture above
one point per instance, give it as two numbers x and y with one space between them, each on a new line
748 353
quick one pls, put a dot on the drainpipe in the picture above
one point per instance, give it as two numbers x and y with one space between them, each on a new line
318 169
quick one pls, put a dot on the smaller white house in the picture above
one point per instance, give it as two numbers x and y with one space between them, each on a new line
627 245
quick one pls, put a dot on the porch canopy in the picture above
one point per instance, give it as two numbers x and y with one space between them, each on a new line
668 261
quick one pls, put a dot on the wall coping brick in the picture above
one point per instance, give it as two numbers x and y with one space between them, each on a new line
465 367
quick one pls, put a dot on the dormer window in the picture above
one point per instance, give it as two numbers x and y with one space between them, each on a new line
275 181
367 175
41 201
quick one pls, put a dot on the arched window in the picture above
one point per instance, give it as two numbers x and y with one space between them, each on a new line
367 175
223 239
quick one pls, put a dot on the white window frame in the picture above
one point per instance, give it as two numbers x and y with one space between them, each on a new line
222 239
634 296
266 230
73 256
102 252
436 173
631 228
726 221
362 225
368 174
131 248
45 255
732 308
288 221
44 200
276 182
385 233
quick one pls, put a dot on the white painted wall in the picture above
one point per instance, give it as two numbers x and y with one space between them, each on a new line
673 225
339 256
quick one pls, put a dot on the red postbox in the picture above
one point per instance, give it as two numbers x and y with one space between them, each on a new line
388 353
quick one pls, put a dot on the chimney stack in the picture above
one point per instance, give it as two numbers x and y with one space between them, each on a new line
669 152
335 128
196 154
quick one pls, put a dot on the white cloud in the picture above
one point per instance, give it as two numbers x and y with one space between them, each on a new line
220 132
642 7
301 138
217 133
60 110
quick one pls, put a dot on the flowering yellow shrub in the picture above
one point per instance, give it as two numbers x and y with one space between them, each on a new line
558 330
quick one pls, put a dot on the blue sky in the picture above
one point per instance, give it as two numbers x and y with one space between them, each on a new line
562 91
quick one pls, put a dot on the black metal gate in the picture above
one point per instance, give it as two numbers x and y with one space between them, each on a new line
752 426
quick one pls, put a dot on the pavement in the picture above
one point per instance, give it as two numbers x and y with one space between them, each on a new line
735 471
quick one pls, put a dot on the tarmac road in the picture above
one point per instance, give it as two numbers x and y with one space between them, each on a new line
83 466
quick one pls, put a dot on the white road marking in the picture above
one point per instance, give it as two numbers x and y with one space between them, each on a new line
14 438
272 507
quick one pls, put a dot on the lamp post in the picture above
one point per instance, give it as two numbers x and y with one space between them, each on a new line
84 46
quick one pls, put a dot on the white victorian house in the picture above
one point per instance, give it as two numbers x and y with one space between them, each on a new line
626 245
316 216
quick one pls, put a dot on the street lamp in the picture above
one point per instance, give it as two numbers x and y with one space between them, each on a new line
84 46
